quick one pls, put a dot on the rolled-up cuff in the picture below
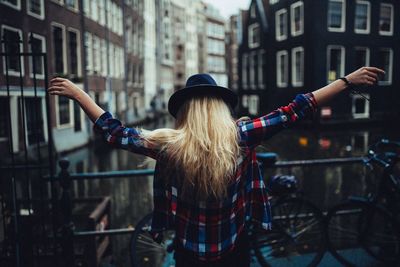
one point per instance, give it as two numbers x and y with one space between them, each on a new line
100 123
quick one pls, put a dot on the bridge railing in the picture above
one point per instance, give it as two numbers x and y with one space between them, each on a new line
267 160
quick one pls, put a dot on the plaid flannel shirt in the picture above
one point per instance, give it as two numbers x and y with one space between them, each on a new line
209 228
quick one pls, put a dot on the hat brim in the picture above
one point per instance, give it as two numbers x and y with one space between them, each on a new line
179 97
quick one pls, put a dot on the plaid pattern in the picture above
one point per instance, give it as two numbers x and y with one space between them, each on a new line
209 228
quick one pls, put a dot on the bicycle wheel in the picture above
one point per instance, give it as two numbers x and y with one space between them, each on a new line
363 234
145 251
296 238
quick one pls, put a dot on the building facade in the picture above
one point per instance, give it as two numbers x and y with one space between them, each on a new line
96 44
232 50
213 44
309 44
164 54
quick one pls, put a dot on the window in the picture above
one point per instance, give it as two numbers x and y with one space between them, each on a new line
74 52
360 107
34 120
254 35
215 63
386 19
64 112
96 55
104 62
15 63
59 55
245 101
213 47
77 117
94 10
73 4
4 111
86 7
261 67
361 57
297 18
282 62
254 103
89 52
297 66
12 3
253 68
215 30
35 8
281 24
363 17
336 15
37 44
336 56
253 11
245 63
386 63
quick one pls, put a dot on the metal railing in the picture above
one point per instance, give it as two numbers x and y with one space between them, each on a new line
267 160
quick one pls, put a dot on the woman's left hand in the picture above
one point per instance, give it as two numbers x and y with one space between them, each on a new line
365 76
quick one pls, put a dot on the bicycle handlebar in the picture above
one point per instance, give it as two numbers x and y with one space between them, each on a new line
385 159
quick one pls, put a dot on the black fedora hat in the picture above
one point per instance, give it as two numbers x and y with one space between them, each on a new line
200 85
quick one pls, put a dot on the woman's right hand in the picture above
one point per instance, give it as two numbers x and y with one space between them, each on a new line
64 87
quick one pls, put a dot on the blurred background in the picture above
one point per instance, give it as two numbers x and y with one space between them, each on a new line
131 55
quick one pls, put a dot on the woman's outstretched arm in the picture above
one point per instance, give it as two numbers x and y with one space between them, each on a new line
64 87
112 130
253 132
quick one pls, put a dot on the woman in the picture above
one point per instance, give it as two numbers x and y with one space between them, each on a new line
207 183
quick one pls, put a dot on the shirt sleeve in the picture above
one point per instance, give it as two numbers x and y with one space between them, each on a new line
117 135
253 132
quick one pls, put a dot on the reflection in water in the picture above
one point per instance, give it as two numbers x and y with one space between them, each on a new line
323 185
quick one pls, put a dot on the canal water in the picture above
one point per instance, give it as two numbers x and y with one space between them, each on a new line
325 186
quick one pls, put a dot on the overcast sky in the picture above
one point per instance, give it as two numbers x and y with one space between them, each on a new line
229 7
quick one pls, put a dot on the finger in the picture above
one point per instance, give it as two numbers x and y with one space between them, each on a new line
376 70
371 79
57 83
372 74
55 88
57 79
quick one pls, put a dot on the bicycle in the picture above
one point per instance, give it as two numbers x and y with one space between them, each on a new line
296 233
364 230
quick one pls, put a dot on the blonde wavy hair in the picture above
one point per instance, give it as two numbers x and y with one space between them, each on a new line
204 146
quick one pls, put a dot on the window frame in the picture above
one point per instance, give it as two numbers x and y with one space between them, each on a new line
253 104
279 75
43 39
366 113
368 30
390 71
64 34
367 54
282 36
387 33
250 35
343 21
21 49
71 115
7 3
298 4
245 73
260 68
42 10
296 83
78 49
328 61
75 8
